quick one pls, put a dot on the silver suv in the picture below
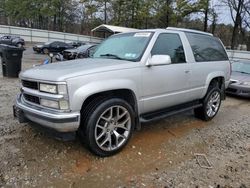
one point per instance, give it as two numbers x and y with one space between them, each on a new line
132 78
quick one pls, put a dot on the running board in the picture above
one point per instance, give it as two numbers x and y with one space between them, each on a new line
162 114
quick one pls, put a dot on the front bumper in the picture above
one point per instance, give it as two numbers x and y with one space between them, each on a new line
239 90
58 121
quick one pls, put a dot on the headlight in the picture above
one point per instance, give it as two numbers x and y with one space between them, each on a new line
62 89
55 89
49 88
245 83
62 105
49 103
59 89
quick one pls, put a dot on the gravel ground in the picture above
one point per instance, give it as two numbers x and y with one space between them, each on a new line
160 155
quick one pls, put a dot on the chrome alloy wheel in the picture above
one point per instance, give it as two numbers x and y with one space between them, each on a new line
213 103
112 128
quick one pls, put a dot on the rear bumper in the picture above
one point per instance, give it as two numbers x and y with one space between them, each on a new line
60 122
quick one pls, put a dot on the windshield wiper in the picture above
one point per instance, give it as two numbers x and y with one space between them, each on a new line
111 55
116 57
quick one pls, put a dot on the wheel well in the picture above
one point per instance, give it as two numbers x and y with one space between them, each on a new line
124 94
220 80
221 83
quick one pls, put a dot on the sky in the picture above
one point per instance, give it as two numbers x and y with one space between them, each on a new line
223 12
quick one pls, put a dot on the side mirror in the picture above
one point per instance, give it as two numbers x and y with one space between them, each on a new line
159 60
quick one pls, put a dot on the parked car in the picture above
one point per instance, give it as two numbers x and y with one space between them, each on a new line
133 78
76 44
12 40
84 51
240 79
53 47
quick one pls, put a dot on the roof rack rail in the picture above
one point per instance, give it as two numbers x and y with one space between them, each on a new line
189 30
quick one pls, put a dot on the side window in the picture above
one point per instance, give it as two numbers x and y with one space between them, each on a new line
169 44
54 44
61 44
206 48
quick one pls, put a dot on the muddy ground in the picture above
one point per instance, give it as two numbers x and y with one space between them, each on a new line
162 154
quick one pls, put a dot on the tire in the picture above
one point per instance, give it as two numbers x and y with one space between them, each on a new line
45 51
210 104
108 126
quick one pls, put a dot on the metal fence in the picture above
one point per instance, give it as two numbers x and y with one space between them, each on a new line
238 55
37 35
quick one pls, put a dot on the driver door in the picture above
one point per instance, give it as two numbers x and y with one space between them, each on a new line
54 47
166 85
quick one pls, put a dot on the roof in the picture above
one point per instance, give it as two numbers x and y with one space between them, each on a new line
113 29
188 30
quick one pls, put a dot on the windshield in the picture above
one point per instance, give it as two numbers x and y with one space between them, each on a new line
243 67
128 46
47 43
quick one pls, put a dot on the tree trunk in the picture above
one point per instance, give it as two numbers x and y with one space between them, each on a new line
206 16
168 13
133 15
54 23
214 24
237 24
105 12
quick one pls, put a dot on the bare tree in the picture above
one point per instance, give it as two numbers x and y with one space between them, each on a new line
237 14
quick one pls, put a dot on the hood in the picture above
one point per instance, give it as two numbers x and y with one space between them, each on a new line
72 50
240 77
61 71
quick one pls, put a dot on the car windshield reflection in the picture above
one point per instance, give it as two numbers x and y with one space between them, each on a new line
241 66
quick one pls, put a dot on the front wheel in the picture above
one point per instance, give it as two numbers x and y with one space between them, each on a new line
45 51
108 126
211 105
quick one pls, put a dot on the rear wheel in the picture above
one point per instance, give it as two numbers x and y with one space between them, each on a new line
211 104
108 126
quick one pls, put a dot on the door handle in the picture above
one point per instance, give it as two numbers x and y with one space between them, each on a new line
187 71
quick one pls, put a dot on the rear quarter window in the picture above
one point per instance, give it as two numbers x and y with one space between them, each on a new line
206 48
